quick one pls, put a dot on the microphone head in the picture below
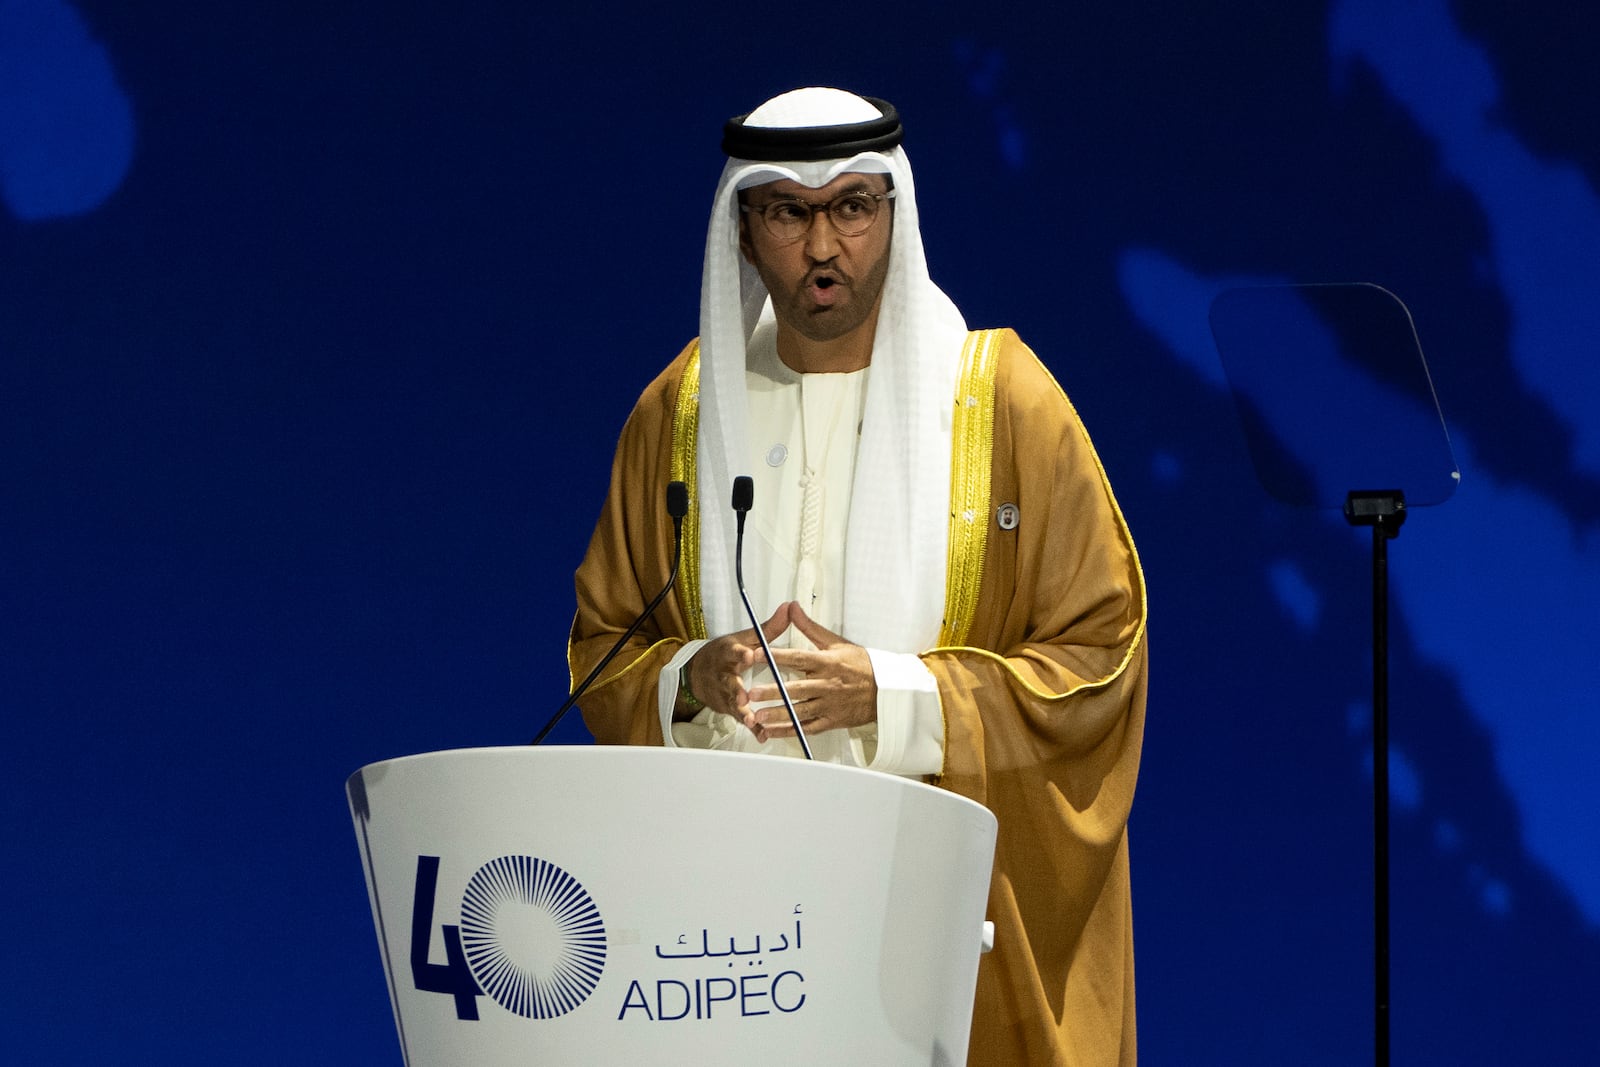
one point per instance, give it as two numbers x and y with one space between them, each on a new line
677 499
744 493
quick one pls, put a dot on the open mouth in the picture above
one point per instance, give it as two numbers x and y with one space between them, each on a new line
824 292
825 289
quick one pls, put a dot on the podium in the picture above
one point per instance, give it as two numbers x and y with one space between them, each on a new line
613 905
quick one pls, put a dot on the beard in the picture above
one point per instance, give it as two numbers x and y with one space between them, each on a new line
857 298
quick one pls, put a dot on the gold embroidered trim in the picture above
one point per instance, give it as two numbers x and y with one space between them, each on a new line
685 437
1134 643
670 643
972 446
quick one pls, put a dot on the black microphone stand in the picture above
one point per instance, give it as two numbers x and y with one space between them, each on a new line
677 507
744 494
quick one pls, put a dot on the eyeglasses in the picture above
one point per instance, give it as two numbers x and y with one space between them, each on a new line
789 219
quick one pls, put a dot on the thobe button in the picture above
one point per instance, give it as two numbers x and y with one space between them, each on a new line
1007 516
777 454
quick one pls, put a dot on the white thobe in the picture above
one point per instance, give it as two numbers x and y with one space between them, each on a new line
804 433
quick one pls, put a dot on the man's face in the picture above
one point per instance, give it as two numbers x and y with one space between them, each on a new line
824 285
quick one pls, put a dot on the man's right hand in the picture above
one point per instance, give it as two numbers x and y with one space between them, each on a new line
715 672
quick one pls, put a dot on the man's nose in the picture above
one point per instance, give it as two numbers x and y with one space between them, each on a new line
822 240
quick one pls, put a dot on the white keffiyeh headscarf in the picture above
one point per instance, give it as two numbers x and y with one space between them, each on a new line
900 502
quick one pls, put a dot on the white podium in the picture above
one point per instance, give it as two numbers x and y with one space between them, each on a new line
642 906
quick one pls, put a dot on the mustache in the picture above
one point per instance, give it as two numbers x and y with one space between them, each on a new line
825 277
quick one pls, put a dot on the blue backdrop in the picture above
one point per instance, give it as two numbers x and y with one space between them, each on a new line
318 323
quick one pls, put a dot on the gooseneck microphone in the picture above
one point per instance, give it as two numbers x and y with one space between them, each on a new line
677 507
744 494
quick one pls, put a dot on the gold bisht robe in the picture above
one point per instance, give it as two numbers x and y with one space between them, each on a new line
1041 672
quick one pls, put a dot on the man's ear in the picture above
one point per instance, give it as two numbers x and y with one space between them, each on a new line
746 249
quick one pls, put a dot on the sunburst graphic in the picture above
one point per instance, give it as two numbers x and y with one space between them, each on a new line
533 937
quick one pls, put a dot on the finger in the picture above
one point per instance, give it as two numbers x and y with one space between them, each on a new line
772 695
778 623
815 632
743 711
749 656
778 715
766 694
799 688
779 725
737 639
784 728
802 660
761 724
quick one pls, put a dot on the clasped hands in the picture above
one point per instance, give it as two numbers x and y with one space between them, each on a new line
832 686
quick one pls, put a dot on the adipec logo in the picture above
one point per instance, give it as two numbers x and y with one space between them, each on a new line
532 936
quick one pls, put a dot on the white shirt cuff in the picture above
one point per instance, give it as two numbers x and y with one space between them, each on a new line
667 684
910 717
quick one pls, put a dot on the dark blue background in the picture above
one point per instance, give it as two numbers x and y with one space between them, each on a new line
318 323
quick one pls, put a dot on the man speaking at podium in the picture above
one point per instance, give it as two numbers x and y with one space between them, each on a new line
952 587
